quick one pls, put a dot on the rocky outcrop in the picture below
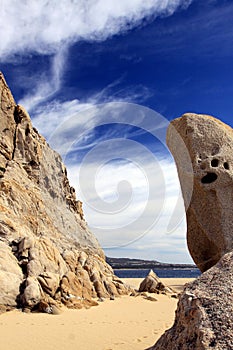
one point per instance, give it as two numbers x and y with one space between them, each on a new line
48 255
202 148
204 314
152 284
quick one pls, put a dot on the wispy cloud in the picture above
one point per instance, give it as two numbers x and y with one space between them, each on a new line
50 27
49 82
142 190
57 112
130 193
43 26
136 215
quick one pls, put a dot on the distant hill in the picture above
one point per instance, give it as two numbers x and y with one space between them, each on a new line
126 263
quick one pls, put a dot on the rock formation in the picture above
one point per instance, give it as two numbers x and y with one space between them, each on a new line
204 314
47 253
152 284
202 148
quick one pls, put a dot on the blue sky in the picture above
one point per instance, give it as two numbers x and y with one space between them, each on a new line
101 80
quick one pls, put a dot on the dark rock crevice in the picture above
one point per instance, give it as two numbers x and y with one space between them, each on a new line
17 121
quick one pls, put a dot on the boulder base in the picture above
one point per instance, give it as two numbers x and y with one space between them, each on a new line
204 314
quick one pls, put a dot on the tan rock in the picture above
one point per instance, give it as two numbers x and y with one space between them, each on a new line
153 284
204 314
49 250
45 257
202 148
11 276
33 293
49 282
7 125
71 286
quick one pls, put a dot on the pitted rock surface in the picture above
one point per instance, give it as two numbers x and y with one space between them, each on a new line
202 148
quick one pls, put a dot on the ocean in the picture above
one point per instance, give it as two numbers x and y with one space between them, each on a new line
162 273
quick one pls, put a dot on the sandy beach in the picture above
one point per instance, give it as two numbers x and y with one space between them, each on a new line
123 324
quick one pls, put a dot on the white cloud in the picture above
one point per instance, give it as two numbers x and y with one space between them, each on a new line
44 26
48 83
137 217
63 124
50 27
132 202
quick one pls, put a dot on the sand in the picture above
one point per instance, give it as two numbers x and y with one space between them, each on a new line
123 324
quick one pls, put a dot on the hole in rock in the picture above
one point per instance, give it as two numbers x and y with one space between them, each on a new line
33 163
214 163
27 131
209 178
226 166
24 269
212 343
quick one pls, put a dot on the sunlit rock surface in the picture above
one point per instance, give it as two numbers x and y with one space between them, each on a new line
48 256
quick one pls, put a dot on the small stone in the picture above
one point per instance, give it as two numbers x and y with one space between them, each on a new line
150 298
175 296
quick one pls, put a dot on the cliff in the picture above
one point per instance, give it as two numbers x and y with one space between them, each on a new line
48 256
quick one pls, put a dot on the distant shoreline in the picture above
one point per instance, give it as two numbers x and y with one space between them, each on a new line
127 263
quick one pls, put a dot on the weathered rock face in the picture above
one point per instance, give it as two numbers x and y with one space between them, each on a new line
204 314
202 148
48 255
152 284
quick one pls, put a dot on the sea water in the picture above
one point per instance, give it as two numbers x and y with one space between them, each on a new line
162 273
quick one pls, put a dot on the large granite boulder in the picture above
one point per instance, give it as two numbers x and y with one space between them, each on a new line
47 253
202 148
204 314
